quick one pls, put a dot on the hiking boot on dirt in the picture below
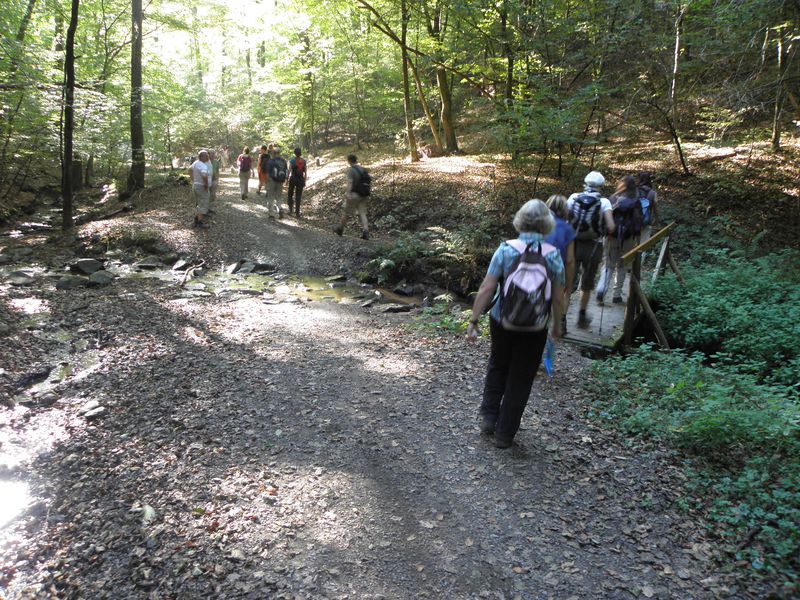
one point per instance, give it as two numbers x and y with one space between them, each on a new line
488 424
503 444
365 235
617 300
584 320
338 231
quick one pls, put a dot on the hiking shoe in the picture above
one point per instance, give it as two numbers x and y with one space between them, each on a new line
617 300
211 212
201 225
365 235
297 214
338 231
280 214
503 444
584 320
487 424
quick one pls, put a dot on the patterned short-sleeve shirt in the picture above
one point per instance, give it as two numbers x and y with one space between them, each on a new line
503 259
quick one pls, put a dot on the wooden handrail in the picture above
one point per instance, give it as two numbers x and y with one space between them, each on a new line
628 257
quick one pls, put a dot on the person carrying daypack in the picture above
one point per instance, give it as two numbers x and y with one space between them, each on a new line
531 274
263 156
649 200
297 181
359 188
627 212
277 170
590 215
245 164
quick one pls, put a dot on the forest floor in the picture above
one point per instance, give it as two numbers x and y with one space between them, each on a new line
263 445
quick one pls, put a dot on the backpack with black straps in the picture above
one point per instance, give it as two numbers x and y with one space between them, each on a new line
278 172
298 166
527 291
628 218
584 216
363 184
644 199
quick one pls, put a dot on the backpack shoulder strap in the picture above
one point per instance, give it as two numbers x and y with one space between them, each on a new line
517 245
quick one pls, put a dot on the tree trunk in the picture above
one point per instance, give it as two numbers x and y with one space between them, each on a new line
23 28
446 97
784 59
69 118
437 139
136 176
509 54
672 116
412 140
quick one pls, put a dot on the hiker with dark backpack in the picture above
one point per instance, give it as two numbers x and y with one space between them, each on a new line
297 181
590 217
359 188
649 200
263 156
628 219
531 277
277 171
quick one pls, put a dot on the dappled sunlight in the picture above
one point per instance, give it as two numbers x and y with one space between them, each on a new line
249 207
15 499
29 306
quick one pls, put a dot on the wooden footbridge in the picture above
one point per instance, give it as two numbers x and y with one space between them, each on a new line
612 326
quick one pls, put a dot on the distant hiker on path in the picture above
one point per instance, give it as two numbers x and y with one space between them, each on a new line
277 170
202 177
359 188
297 181
591 218
516 349
245 164
563 238
627 213
649 200
263 157
216 168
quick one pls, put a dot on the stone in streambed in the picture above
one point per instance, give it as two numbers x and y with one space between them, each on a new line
86 266
101 278
20 278
70 282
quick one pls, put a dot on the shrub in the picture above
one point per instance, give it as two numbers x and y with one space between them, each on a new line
744 436
744 312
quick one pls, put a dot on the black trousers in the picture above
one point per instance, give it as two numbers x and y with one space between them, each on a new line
513 363
295 194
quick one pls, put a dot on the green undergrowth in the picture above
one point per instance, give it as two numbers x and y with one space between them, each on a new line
729 400
742 436
445 317
454 259
740 311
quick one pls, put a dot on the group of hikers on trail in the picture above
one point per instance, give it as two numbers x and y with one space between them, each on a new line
529 280
528 284
273 171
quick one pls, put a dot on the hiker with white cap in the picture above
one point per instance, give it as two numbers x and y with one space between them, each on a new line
202 179
591 215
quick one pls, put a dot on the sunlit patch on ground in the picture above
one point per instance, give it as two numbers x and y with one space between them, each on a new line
29 306
16 497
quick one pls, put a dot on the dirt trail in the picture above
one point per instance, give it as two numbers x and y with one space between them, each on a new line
314 450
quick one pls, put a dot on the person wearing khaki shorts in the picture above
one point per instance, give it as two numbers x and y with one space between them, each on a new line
353 203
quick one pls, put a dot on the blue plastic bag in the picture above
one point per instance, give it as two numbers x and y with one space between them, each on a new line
549 359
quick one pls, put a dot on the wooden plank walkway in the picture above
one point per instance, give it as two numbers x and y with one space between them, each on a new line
605 329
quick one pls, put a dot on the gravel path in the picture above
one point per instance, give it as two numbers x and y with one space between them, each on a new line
310 450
